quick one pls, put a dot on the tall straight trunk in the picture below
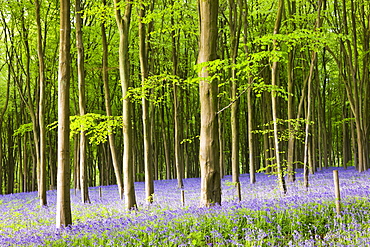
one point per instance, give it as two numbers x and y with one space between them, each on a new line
42 86
81 103
63 212
178 156
143 56
234 20
209 150
307 142
251 146
165 145
108 109
176 109
308 119
291 141
290 72
2 114
353 85
10 171
153 134
76 162
52 163
123 23
274 77
221 144
28 100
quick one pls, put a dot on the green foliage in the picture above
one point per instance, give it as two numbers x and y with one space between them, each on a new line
96 126
23 129
285 133
104 13
156 88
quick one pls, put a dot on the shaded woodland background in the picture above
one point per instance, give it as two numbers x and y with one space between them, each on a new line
322 87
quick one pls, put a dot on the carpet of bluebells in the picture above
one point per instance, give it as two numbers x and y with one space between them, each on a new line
264 217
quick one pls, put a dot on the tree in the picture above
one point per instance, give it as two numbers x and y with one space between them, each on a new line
149 185
42 132
63 214
108 109
123 23
81 103
208 89
235 27
176 106
274 78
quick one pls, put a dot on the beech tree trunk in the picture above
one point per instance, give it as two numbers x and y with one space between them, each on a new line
81 103
123 23
108 109
274 76
63 213
42 132
209 150
148 164
234 20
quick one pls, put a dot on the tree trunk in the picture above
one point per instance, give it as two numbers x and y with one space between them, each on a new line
42 132
209 151
165 144
123 23
81 103
308 119
149 185
1 124
108 109
63 214
274 77
290 87
234 20
252 166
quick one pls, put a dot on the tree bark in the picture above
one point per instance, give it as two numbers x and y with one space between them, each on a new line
143 56
123 23
234 25
209 151
81 103
108 109
274 76
42 86
63 214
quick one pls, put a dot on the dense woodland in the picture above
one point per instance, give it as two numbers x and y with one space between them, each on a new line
292 82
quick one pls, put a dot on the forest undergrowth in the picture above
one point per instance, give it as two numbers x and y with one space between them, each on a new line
264 217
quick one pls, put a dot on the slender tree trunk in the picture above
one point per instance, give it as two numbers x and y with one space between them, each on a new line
81 103
291 141
28 99
123 23
176 109
165 145
10 162
252 165
308 119
234 20
149 185
108 109
274 76
42 86
221 144
63 213
209 150
290 77
76 162
3 111
52 165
